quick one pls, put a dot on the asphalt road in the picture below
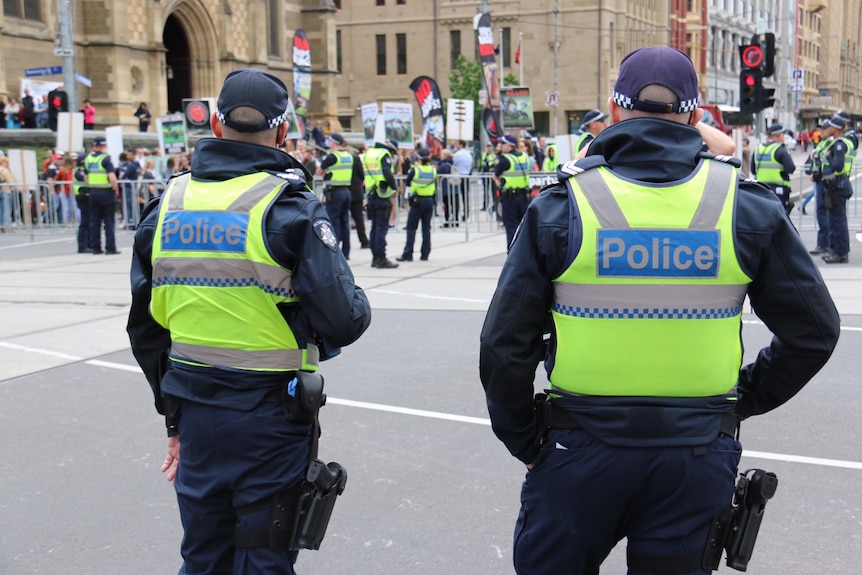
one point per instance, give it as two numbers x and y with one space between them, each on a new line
430 489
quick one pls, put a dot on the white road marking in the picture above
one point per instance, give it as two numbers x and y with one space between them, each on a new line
436 414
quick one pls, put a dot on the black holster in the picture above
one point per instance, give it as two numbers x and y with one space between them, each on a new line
299 516
735 529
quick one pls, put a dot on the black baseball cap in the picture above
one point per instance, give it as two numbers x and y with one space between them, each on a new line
256 89
337 138
661 65
775 129
510 139
99 141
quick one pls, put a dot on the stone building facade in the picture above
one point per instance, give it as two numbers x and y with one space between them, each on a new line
161 51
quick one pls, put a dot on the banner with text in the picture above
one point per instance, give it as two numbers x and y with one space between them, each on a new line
431 106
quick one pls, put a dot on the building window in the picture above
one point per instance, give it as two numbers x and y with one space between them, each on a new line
275 33
381 2
381 54
506 47
338 4
401 53
401 2
338 51
26 9
454 47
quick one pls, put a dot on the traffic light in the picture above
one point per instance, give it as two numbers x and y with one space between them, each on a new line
767 98
750 91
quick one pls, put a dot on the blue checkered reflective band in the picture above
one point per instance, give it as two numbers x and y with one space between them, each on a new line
647 313
221 283
205 232
658 253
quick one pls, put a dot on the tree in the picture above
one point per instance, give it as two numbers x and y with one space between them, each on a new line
465 81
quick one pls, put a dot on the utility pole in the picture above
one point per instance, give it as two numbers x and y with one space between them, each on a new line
66 48
556 55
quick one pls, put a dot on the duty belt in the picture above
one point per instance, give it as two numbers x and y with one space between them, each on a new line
559 418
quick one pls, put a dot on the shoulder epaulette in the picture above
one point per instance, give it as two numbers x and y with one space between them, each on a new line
575 167
295 179
732 160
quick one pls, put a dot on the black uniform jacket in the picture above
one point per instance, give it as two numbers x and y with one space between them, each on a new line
787 293
332 310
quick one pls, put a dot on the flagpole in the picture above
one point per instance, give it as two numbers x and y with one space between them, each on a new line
521 56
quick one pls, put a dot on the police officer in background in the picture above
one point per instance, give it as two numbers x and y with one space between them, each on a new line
237 284
422 180
357 201
594 124
338 169
512 177
772 165
82 199
835 164
644 356
380 186
104 194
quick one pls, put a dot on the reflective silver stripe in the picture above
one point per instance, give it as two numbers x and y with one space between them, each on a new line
649 301
610 215
718 180
243 204
222 272
176 192
287 359
602 200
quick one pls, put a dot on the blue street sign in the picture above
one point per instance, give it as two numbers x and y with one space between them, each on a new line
47 71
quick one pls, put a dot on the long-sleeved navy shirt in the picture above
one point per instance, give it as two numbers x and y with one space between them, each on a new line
787 292
332 310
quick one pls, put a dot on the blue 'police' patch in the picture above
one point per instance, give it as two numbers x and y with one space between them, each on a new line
658 253
323 229
205 231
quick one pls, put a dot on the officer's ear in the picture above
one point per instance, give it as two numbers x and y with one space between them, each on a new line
696 116
215 124
280 134
614 110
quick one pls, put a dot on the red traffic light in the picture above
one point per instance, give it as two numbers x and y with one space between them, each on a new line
749 81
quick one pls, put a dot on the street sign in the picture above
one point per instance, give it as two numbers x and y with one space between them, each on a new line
46 71
64 51
552 98
751 56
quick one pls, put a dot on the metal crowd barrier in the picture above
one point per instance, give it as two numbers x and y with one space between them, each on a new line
47 209
465 204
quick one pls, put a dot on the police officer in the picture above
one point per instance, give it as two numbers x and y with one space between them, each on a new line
820 213
338 167
237 284
835 163
642 257
357 202
82 199
772 165
104 195
422 179
593 124
380 186
512 177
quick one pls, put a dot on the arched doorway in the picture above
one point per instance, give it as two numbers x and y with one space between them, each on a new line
178 63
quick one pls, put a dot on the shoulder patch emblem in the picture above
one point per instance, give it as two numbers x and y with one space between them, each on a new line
323 229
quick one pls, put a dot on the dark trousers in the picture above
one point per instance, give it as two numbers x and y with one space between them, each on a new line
514 206
583 496
358 215
102 211
84 239
822 217
230 459
379 210
338 210
421 210
839 236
